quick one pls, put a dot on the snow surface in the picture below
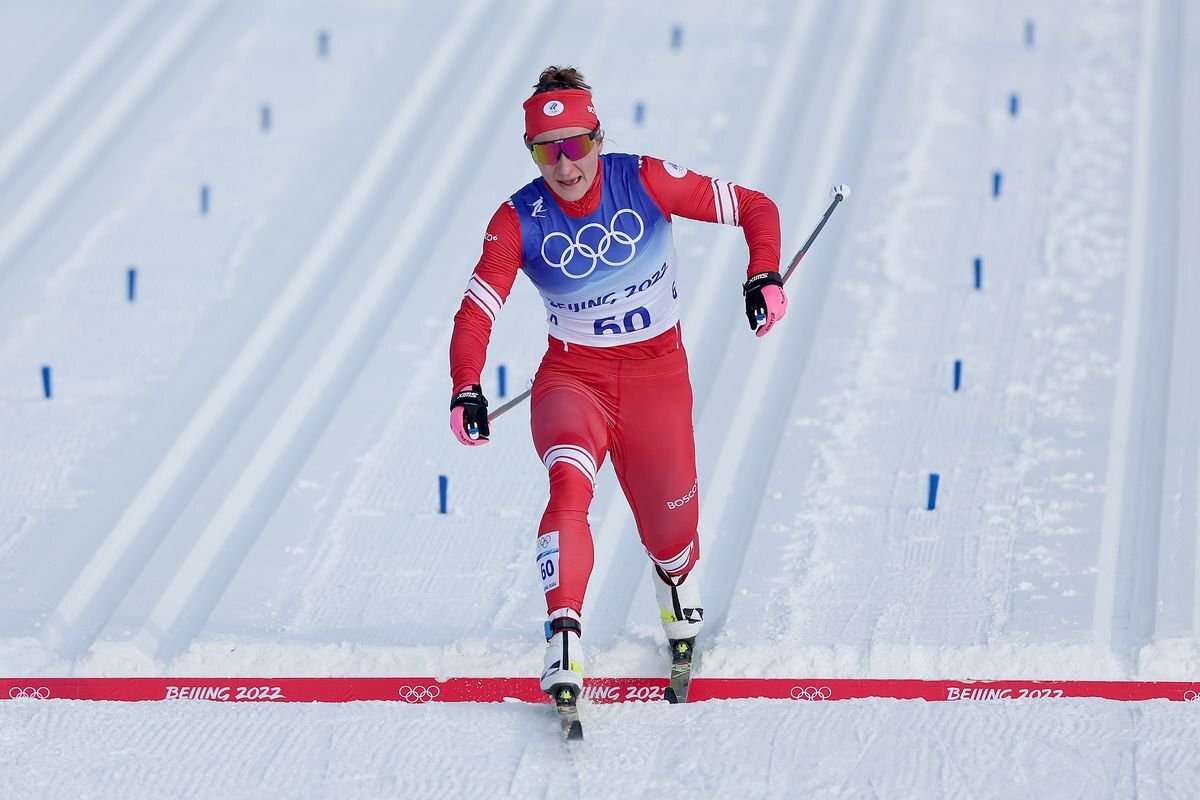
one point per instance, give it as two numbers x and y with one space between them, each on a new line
732 748
237 474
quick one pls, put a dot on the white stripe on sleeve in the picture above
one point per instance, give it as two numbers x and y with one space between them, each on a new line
717 201
488 290
486 310
726 202
485 296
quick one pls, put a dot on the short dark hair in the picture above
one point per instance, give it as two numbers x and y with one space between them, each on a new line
555 77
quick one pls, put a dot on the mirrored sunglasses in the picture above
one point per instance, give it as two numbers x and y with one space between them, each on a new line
573 147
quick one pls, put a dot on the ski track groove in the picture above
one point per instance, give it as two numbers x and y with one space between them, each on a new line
1126 593
332 595
1186 487
912 555
182 609
67 166
412 403
97 591
621 562
74 80
752 438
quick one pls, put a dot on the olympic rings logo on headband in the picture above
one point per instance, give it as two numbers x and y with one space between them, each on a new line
599 252
419 694
29 693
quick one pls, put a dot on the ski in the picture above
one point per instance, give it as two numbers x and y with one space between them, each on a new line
682 651
566 701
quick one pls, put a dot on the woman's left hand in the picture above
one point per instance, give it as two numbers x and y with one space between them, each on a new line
766 302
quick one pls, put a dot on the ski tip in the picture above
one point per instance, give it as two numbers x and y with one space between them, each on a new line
575 732
669 696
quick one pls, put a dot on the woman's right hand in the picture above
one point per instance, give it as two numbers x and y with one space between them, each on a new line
468 415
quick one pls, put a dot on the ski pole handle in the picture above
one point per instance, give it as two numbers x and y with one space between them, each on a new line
838 193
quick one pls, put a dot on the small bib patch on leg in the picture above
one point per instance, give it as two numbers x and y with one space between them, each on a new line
547 560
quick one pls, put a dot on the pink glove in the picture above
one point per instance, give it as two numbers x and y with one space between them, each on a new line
776 302
765 301
468 409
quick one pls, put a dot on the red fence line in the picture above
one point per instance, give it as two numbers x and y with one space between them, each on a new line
597 690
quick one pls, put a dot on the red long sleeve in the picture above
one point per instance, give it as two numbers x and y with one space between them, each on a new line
695 196
488 288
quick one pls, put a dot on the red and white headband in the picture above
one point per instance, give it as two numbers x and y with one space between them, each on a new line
561 108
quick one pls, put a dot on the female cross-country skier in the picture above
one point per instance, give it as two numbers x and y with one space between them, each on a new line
593 233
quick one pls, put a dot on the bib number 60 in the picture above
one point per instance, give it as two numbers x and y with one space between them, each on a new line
627 325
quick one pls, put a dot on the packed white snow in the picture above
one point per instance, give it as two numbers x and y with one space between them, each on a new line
237 471
736 748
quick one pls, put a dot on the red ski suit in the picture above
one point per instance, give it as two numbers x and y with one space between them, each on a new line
596 394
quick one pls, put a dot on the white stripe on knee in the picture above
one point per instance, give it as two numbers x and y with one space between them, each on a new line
575 456
676 563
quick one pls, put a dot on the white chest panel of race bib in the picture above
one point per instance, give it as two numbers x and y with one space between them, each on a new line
633 313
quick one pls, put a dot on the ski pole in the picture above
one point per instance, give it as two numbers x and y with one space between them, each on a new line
838 193
507 406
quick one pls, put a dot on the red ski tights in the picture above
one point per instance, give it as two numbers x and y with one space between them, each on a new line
639 410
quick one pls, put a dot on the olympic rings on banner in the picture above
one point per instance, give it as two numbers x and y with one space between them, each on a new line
29 693
811 693
419 694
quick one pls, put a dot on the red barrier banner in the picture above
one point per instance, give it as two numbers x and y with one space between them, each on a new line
596 690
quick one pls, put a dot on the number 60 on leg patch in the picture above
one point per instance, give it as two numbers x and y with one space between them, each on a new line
547 559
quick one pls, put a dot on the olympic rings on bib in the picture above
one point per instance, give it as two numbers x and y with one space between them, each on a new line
600 251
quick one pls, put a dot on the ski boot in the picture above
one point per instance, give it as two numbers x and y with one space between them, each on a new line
562 676
682 617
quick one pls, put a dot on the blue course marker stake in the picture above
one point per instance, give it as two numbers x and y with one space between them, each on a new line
1012 104
503 380
978 273
1029 33
46 390
639 112
265 117
443 487
132 280
957 375
676 37
996 183
323 43
933 487
204 199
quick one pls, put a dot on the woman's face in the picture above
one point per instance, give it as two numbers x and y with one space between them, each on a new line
569 179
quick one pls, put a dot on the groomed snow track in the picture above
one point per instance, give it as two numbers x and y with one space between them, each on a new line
237 472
